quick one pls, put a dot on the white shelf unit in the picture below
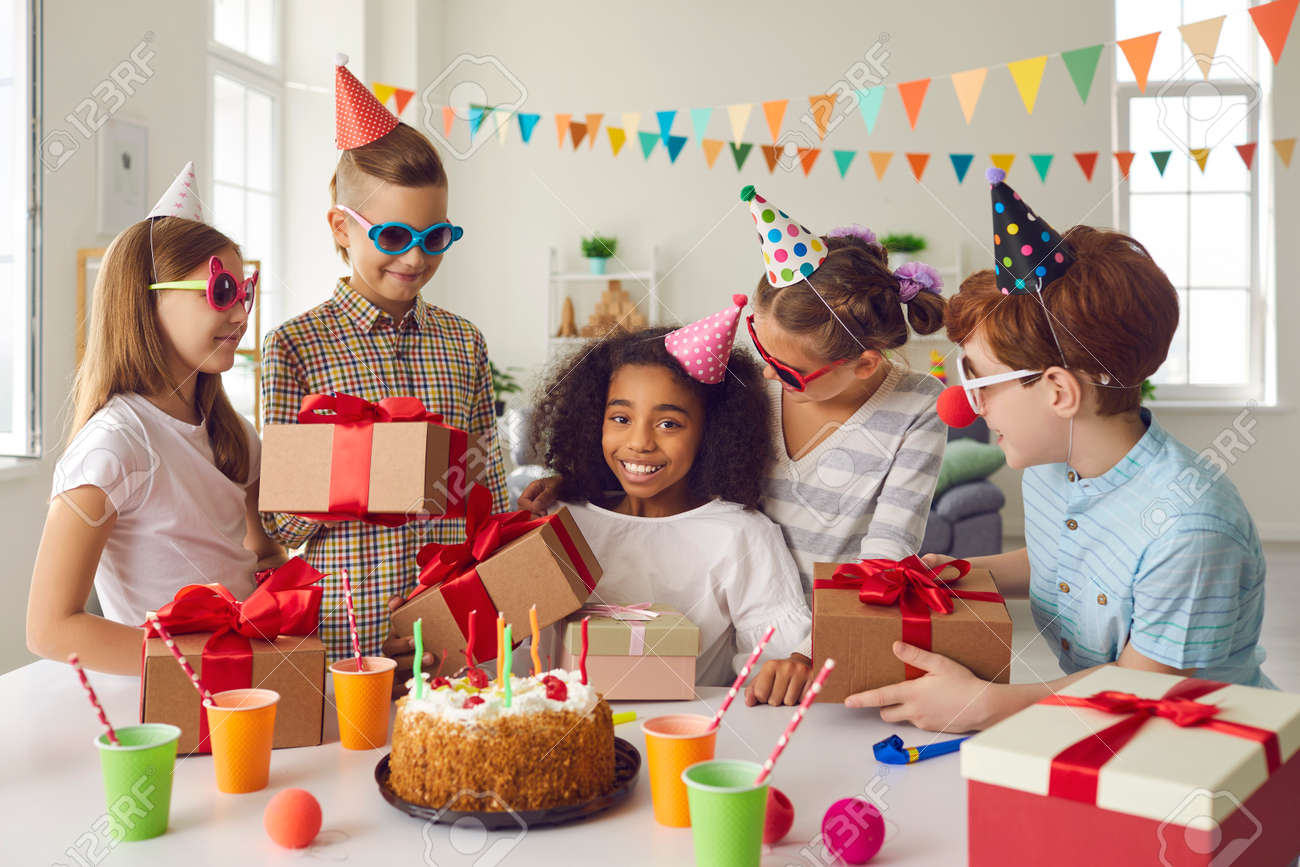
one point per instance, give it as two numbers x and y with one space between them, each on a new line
586 288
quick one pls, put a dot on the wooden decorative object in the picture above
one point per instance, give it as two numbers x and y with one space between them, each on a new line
616 311
568 321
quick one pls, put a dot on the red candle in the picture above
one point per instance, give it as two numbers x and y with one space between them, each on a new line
582 660
469 648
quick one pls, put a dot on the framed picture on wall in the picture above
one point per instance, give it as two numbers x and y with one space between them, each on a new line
123 174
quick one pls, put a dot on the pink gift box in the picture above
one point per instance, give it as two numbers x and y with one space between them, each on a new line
637 653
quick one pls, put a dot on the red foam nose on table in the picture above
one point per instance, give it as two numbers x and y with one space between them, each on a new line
954 409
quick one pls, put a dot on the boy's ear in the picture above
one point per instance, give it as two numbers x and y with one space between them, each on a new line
1065 392
338 226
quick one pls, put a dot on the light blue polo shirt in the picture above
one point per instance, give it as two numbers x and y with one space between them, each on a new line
1158 551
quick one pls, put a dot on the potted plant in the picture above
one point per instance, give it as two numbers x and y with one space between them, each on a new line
502 383
902 246
598 249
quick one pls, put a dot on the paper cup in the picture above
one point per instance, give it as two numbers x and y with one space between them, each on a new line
363 700
138 778
727 812
241 726
672 744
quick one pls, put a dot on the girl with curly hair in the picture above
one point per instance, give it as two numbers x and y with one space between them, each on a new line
660 441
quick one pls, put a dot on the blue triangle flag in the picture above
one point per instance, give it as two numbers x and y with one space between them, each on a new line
666 119
674 144
526 124
961 165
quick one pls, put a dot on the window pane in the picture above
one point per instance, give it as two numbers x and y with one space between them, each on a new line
259 151
261 30
238 383
228 212
1160 223
1156 124
1221 248
1219 121
228 23
1174 370
257 245
227 130
1219 336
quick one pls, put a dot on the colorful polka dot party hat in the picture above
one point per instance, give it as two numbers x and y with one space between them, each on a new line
790 251
181 199
359 118
704 347
1028 253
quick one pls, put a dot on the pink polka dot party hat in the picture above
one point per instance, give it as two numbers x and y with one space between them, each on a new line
359 118
703 348
790 251
1028 253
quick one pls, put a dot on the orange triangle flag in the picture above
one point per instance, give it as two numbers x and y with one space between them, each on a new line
403 98
1202 38
1087 162
577 131
1247 152
1125 159
918 162
808 156
1273 21
448 118
913 94
775 111
823 106
1200 155
880 162
1139 51
1028 75
712 147
593 126
562 126
383 92
968 85
1284 147
772 153
616 138
1003 161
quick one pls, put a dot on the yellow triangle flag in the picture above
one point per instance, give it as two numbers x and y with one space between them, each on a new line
775 112
739 116
631 121
1284 147
616 138
1139 52
1028 75
1200 155
1003 161
712 147
562 126
822 107
383 92
593 127
968 85
1202 38
880 162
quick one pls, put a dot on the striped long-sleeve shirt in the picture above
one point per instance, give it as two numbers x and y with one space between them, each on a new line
864 490
347 344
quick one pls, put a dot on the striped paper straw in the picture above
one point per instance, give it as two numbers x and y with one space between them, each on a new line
794 721
740 680
94 700
180 657
352 618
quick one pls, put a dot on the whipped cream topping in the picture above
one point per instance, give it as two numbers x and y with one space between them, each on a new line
528 696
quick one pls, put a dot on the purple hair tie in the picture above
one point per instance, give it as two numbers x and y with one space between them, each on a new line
855 231
915 278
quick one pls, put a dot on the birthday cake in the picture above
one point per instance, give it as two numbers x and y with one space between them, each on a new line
460 747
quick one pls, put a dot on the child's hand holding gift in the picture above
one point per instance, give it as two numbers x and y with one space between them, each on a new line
402 650
780 681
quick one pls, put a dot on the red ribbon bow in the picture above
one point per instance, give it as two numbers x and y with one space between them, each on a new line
912 586
1076 769
287 602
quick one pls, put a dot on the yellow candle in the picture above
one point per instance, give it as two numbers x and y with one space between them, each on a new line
501 634
532 621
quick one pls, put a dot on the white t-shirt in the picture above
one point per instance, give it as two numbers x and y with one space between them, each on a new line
179 519
727 569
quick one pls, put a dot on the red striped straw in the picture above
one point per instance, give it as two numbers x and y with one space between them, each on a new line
180 657
794 721
740 679
352 619
94 700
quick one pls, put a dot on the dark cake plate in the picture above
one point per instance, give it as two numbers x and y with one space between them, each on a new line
627 766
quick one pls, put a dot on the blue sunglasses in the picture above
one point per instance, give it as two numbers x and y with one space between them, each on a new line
394 239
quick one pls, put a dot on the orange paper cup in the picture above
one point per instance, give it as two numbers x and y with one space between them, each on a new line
241 726
363 700
672 744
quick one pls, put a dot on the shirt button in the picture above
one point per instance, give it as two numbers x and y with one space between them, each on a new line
1065 644
1065 588
1070 475
1072 524
1101 598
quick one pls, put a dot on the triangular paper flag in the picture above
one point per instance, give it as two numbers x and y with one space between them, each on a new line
869 102
808 156
674 145
577 131
880 162
1002 161
843 159
1273 21
774 111
740 153
648 142
1202 38
527 122
503 125
562 127
616 138
666 119
1139 51
477 114
823 108
712 147
1125 160
739 117
180 200
383 92
700 123
1200 155
448 118
961 165
631 120
1087 162
1284 147
403 98
1042 162
1247 152
1161 159
772 154
1028 75
593 127
968 85
918 162
913 94
1081 63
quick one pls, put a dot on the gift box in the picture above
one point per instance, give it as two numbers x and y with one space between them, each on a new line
266 641
634 652
861 609
385 463
508 563
1134 767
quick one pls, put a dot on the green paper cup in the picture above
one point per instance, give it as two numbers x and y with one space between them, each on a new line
727 812
138 778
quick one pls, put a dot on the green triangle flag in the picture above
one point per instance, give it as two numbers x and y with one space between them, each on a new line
869 102
740 153
843 159
1161 159
648 142
1082 64
1042 162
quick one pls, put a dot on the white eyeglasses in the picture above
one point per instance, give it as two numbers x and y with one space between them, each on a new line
973 385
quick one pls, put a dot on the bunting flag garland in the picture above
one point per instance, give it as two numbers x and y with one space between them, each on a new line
740 153
869 102
1273 22
774 111
843 159
1139 51
880 162
593 126
1125 161
675 144
562 128
772 154
1247 152
822 108
1201 155
1081 63
739 117
577 131
700 125
666 119
913 94
1201 39
711 147
1028 75
808 156
1042 162
616 138
648 142
1002 161
1161 159
918 163
961 165
1284 147
968 86
449 118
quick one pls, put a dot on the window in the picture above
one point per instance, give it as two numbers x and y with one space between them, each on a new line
1205 228
20 326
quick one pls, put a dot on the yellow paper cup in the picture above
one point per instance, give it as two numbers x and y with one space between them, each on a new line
363 700
241 726
672 744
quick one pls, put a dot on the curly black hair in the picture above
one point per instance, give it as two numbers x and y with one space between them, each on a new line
734 453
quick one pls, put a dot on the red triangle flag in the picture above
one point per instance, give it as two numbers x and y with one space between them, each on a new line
577 131
1125 159
403 98
1273 21
808 156
772 153
1247 152
918 162
1087 162
913 94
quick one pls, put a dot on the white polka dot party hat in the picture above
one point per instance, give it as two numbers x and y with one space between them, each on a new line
704 347
359 118
790 251
181 199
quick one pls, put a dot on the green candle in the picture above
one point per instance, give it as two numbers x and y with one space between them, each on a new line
506 659
419 657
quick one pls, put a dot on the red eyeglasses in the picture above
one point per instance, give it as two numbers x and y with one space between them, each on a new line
223 289
787 374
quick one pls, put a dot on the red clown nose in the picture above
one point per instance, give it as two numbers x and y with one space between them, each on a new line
954 409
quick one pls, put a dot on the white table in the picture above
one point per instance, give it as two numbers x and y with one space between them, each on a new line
52 792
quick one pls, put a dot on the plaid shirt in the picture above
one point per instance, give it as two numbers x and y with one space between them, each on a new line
347 344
